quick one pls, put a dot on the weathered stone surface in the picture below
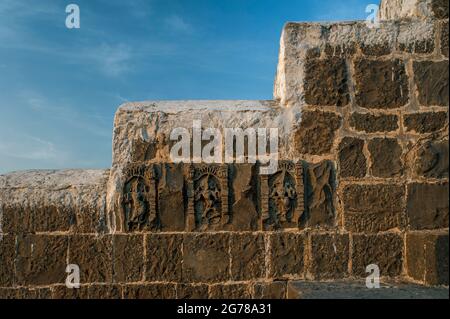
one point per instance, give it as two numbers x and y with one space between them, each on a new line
245 215
432 82
41 259
342 51
326 82
357 289
272 290
247 257
422 9
317 132
62 292
164 257
7 256
440 8
94 257
329 256
444 38
153 119
150 291
374 208
128 258
383 250
431 158
170 198
286 255
206 258
427 257
418 38
370 123
425 122
16 218
88 292
352 162
104 292
51 200
8 293
380 84
25 293
230 291
427 206
301 42
386 157
188 291
320 195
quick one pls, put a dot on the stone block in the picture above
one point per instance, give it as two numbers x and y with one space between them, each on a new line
371 123
444 38
317 132
425 122
430 159
62 292
41 259
286 255
7 256
271 290
128 258
383 250
326 82
171 202
245 216
427 206
352 162
206 258
386 156
93 254
320 195
432 82
381 84
374 208
192 291
427 257
164 257
247 257
329 256
52 218
150 291
230 291
416 38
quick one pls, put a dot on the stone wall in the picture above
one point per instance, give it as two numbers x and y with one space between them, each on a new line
363 179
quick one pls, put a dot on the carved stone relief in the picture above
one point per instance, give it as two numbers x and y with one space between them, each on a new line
320 190
282 197
138 199
207 192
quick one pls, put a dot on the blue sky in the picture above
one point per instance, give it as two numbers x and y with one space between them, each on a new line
59 87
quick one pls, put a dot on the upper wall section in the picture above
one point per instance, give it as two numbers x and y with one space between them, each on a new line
315 58
422 9
53 200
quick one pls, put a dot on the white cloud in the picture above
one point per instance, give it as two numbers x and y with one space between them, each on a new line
30 148
177 24
113 60
64 112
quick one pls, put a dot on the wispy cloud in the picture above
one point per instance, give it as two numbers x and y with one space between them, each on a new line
63 112
176 23
31 148
112 60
